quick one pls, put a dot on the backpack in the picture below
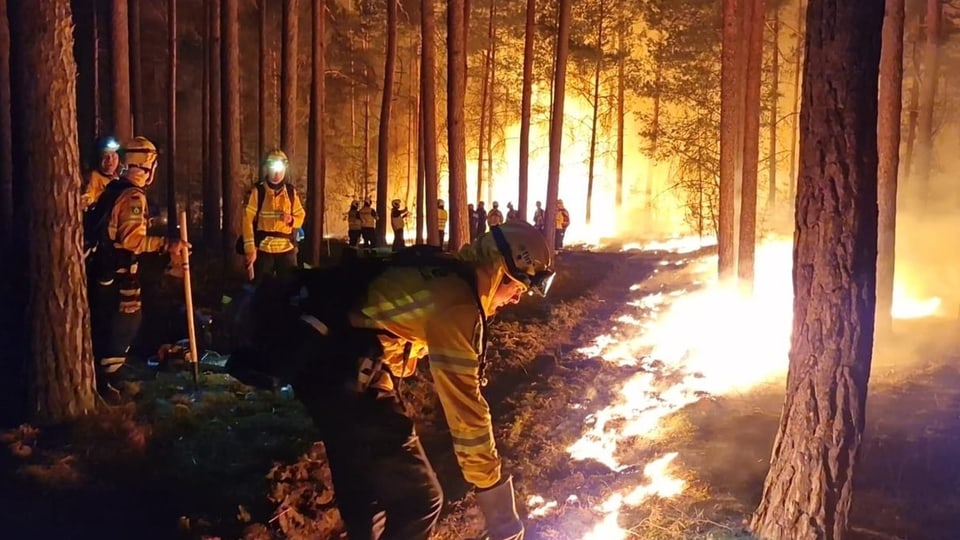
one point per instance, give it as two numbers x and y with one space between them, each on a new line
265 355
100 253
258 236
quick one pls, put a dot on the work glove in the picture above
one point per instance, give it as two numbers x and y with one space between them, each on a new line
500 511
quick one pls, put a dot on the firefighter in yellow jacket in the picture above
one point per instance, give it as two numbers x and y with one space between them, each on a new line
442 217
116 306
386 487
108 165
270 223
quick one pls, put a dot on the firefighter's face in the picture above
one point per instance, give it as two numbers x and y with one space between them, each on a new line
508 293
109 161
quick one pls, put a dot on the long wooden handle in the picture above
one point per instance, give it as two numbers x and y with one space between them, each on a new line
188 296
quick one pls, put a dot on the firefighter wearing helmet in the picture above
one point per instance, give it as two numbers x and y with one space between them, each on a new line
368 223
116 306
442 217
398 220
105 171
495 217
353 223
271 218
406 312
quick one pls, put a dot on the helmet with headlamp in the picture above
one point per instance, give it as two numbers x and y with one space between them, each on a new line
527 257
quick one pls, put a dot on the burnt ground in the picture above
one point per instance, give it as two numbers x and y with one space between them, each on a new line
229 462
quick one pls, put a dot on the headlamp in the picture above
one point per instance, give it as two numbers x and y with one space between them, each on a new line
277 166
538 283
110 145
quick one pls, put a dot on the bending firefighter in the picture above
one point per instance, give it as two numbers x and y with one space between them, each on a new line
270 221
348 373
115 262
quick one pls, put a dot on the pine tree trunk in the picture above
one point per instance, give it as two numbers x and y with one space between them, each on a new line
230 103
6 141
485 88
795 133
171 169
621 87
213 230
289 70
264 81
556 120
428 114
97 110
654 142
413 123
491 105
526 107
751 147
120 47
591 160
913 106
808 490
421 174
317 156
136 70
774 121
730 114
61 358
386 104
928 97
205 115
456 134
888 151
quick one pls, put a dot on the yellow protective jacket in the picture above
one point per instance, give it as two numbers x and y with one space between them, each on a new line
368 217
397 218
128 223
276 204
441 218
353 219
563 218
437 313
94 185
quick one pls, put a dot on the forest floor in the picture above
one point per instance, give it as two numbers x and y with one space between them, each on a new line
634 402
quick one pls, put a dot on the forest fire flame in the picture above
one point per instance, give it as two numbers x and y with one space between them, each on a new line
687 345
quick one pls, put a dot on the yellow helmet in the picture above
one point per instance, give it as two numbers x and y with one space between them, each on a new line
527 257
140 152
276 161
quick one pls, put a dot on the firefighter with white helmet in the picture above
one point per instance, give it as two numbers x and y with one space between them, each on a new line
368 223
115 263
495 217
353 223
386 487
398 221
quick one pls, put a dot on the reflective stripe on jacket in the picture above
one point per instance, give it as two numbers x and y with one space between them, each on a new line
368 217
128 224
276 203
397 217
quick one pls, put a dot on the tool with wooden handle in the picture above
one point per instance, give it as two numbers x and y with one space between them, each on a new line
188 296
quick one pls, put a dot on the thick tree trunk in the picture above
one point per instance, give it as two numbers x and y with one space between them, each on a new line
456 134
928 97
316 195
230 90
795 102
526 106
97 111
621 88
556 120
386 104
120 47
491 106
428 113
774 121
205 116
61 358
484 89
808 490
171 172
913 106
136 70
888 151
413 123
421 175
731 112
264 82
289 71
212 184
751 146
6 140
591 160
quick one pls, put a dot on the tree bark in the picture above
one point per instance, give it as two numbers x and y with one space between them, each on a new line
928 96
774 121
264 82
120 47
61 357
205 117
913 112
491 106
556 120
456 134
486 89
172 214
808 490
751 146
97 110
421 175
888 151
795 102
591 160
526 101
230 90
136 70
289 70
621 87
212 185
428 113
6 139
317 166
730 114
383 146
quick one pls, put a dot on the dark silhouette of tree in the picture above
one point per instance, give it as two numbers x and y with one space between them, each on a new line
383 139
317 158
526 106
809 487
731 114
927 98
215 233
456 131
264 80
428 114
289 71
556 120
171 168
61 358
6 139
120 47
136 61
230 102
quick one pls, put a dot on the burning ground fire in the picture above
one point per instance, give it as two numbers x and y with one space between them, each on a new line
686 345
